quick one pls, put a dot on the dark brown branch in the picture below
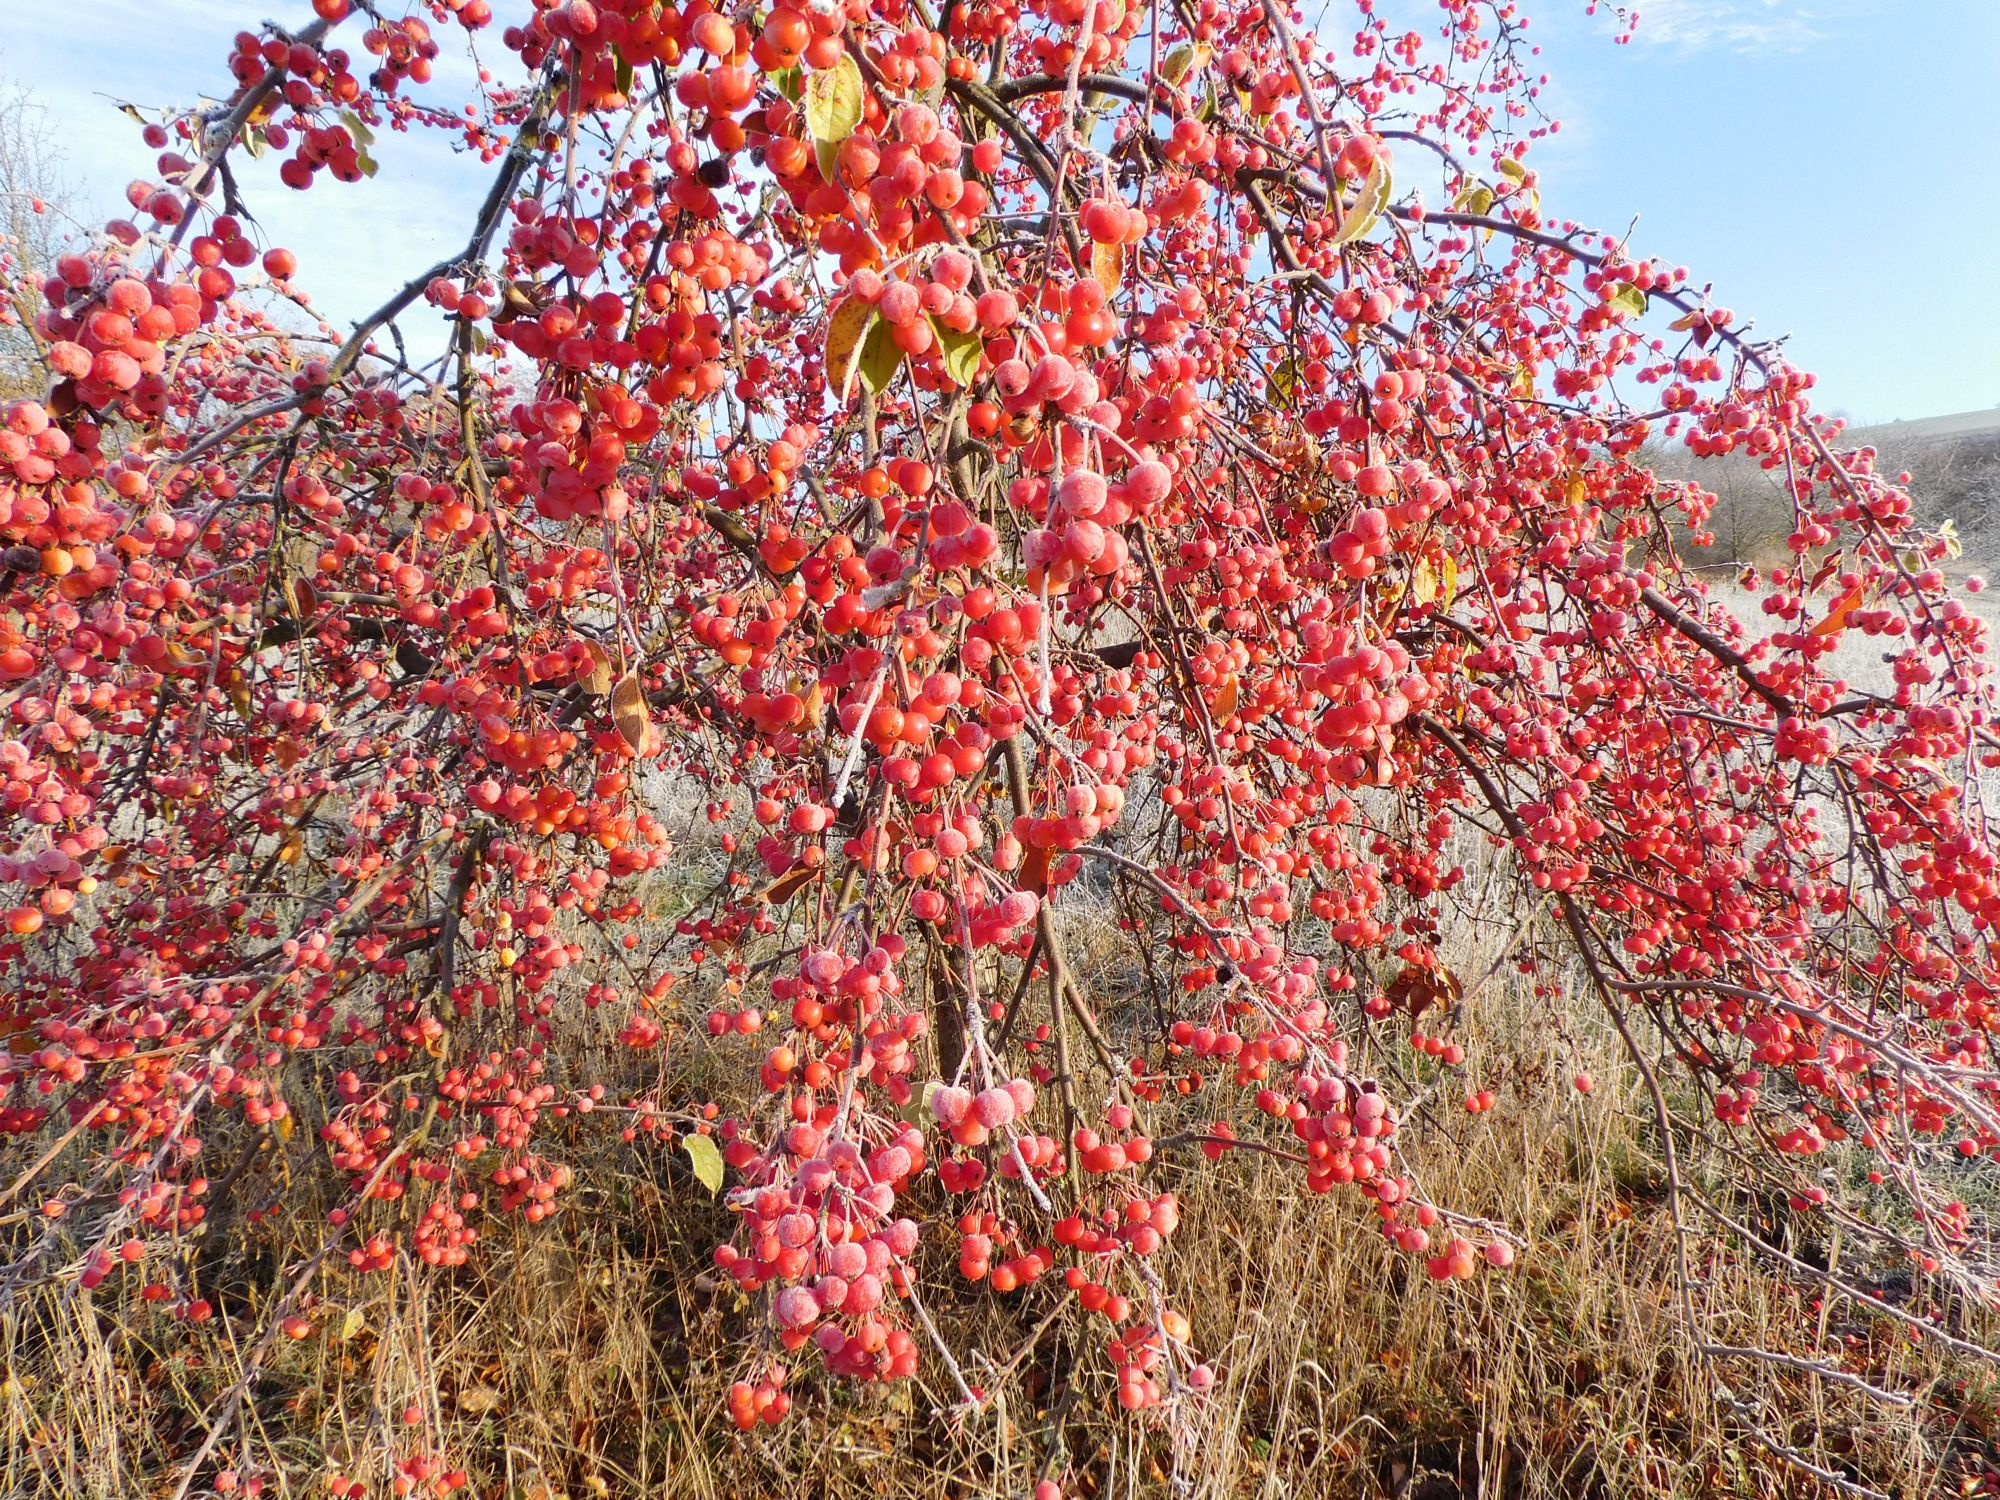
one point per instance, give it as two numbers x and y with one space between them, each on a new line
1716 647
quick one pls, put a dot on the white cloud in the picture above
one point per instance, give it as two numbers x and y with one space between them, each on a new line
1730 25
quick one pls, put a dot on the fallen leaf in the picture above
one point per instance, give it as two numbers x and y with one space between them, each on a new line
478 1400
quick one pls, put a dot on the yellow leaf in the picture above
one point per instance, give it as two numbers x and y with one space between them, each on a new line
1183 60
628 712
1282 381
1629 300
833 109
1473 198
1512 170
846 330
1369 201
881 357
706 1160
1226 697
352 1323
1424 582
1107 264
961 353
597 681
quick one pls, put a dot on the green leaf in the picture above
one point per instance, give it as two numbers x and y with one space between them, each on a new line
787 82
1629 300
961 353
1369 201
368 165
363 136
881 358
624 73
254 142
833 109
705 1159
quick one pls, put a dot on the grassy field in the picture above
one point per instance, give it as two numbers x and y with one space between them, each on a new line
589 1356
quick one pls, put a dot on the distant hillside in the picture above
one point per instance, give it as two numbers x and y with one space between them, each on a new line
1966 424
1953 463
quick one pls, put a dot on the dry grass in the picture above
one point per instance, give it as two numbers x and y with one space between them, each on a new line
588 1356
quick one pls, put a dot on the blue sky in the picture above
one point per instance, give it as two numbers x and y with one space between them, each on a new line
1815 160
1818 161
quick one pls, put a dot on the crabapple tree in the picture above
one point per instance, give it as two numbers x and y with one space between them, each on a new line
977 453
